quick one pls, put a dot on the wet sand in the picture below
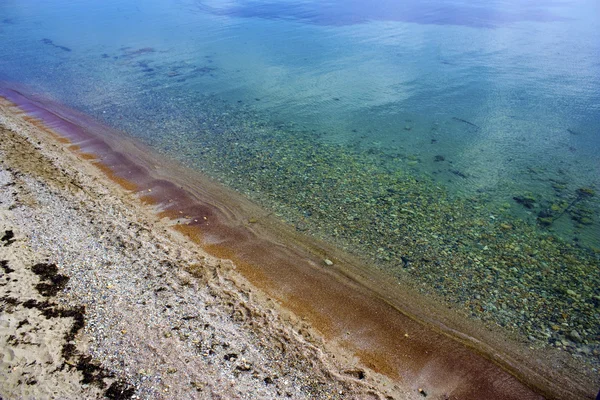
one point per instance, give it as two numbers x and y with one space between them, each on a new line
372 337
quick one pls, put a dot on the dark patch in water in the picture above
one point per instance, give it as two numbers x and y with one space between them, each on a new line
51 43
465 122
458 173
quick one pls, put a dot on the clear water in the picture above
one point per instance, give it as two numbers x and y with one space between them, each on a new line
454 143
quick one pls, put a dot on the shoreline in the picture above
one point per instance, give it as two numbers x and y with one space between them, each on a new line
365 345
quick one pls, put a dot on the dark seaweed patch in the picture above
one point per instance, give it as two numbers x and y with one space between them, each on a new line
119 390
8 238
51 281
5 267
22 323
92 372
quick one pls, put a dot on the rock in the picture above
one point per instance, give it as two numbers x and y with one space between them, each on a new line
328 262
584 350
574 335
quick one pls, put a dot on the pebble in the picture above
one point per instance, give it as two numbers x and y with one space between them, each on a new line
328 262
575 335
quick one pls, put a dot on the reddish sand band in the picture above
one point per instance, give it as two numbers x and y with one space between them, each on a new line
347 303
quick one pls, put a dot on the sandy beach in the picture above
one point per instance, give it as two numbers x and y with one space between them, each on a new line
106 294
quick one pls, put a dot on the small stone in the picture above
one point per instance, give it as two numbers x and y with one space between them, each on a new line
584 350
575 335
328 262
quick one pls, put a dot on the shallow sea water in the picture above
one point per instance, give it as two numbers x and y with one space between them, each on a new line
454 144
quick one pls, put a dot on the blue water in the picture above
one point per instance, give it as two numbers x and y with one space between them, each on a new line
347 116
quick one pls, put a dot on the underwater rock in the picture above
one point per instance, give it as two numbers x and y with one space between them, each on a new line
545 221
526 201
458 173
586 192
439 158
574 335
466 122
51 43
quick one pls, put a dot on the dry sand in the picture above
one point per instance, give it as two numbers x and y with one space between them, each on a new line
99 298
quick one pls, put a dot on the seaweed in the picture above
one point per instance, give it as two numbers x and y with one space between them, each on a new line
8 238
119 390
51 281
5 267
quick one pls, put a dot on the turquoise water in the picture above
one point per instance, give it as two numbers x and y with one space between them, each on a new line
455 144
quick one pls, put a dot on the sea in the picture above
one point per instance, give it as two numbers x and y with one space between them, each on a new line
452 143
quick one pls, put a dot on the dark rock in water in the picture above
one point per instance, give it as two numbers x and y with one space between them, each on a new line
466 122
458 173
51 43
526 201
545 221
586 192
439 158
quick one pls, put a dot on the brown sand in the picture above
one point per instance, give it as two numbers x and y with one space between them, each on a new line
345 333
